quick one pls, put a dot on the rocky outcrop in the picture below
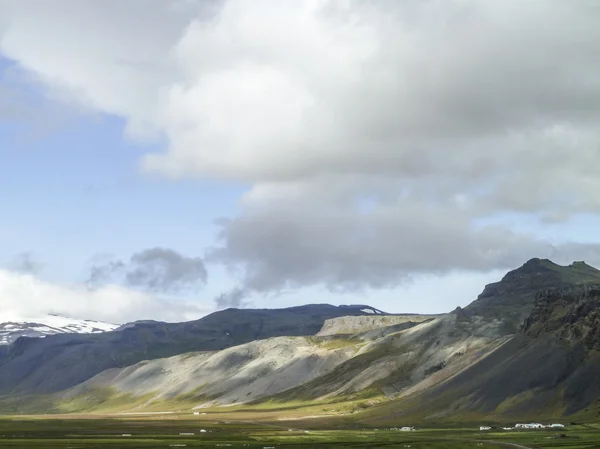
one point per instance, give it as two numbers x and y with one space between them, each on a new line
571 315
349 325
512 298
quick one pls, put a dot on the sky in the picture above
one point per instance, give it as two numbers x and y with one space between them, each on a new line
163 159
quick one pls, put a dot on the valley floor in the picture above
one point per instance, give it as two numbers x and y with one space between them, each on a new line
181 430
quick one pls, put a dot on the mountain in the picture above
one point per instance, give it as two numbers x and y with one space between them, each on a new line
512 298
49 325
33 365
548 370
480 362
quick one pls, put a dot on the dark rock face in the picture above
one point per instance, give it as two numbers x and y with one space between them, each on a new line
513 298
572 314
57 362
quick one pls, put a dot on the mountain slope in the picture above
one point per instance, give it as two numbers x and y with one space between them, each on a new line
234 375
376 362
512 298
550 369
57 362
50 325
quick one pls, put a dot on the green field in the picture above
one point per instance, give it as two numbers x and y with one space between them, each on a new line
165 431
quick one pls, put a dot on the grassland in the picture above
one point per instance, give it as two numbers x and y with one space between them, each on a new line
165 430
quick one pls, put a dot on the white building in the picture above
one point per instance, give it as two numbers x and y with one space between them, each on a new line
534 425
485 428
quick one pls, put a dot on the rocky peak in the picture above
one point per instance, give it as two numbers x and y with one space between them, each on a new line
532 275
536 264
512 298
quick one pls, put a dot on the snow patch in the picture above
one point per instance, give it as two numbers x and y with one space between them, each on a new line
50 325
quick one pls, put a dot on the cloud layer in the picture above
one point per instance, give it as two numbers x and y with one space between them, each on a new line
23 296
289 244
381 139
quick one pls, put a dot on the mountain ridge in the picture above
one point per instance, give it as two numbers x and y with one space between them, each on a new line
36 366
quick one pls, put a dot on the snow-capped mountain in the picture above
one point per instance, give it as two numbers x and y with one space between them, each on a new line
50 325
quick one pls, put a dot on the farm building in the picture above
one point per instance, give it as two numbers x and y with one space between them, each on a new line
530 426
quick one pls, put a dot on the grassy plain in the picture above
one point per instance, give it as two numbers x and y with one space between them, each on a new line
165 430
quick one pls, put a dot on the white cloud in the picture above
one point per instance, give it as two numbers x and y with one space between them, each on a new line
106 56
24 295
274 90
434 115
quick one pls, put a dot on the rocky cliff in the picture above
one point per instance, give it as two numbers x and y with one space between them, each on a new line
571 315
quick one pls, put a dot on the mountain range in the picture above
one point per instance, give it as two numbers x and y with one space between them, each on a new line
527 346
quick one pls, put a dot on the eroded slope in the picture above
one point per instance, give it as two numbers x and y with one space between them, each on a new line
371 363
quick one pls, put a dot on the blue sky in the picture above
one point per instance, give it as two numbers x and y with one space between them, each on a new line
474 150
75 191
81 184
